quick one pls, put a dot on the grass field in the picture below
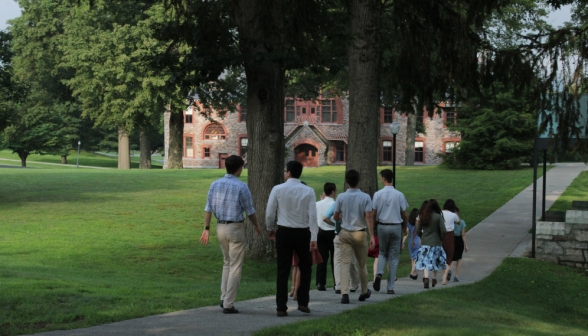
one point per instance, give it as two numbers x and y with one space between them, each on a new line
577 191
86 159
522 297
84 247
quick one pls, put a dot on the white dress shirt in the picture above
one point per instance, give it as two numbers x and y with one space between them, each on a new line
295 205
322 207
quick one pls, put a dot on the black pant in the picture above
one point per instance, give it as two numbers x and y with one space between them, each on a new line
290 240
325 246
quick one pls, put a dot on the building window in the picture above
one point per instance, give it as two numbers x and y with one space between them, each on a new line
329 111
290 110
450 116
388 115
450 145
341 151
419 151
206 152
243 146
242 113
387 150
188 116
189 147
214 132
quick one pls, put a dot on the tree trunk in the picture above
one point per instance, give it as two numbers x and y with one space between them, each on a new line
124 153
265 105
64 159
145 148
176 140
364 97
23 159
411 123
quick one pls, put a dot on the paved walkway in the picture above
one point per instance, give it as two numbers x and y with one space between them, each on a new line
492 240
50 164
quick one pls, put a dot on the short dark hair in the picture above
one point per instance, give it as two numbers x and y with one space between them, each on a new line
329 188
387 174
352 178
295 168
450 205
233 163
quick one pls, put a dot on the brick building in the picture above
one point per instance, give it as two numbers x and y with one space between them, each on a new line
315 134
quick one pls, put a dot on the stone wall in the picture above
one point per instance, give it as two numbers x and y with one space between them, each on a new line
564 243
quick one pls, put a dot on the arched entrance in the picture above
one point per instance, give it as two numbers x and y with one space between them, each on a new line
307 155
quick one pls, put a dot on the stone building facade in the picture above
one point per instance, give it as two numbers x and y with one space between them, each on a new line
315 134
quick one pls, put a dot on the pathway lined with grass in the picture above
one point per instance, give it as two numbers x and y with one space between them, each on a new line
490 242
68 165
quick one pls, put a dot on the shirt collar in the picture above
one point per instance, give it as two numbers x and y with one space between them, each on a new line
353 190
230 176
293 180
389 187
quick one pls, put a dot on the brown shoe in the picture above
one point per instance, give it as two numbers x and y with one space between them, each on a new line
434 282
426 282
304 309
282 313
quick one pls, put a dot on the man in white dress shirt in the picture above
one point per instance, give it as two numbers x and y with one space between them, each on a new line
325 236
295 206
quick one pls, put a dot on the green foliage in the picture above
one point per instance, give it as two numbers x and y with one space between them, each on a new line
497 131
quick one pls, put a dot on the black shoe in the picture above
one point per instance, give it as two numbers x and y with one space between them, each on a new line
337 291
353 290
222 304
282 313
345 298
414 277
321 288
304 309
231 310
390 292
448 275
377 282
362 297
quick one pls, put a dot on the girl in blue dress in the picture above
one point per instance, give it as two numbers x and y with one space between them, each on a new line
415 242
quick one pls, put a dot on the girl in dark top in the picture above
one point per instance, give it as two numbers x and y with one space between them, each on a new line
415 242
431 229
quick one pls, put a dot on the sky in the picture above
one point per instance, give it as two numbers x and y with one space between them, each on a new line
9 10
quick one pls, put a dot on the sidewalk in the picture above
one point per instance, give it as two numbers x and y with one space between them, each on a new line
51 164
492 240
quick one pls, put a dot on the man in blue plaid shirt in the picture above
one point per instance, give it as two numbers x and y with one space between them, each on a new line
228 198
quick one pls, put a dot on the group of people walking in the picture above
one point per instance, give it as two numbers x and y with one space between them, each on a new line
343 228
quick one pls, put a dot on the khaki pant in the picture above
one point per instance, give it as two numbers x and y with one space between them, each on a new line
354 274
353 243
232 241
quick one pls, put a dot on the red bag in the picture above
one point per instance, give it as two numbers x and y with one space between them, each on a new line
373 252
316 257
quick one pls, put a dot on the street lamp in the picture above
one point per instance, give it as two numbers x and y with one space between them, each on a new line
394 129
78 161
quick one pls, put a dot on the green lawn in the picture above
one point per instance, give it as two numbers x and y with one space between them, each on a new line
86 159
81 247
522 297
577 191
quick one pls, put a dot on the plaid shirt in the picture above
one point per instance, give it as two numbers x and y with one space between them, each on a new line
228 198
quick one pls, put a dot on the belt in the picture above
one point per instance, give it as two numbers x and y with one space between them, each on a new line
380 223
228 222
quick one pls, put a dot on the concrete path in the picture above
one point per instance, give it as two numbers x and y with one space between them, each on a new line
51 164
492 240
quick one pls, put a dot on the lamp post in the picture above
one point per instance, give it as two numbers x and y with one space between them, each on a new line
78 161
394 129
